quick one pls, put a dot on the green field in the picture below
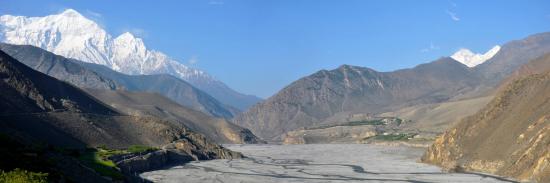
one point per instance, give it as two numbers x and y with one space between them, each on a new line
97 159
358 123
393 137
23 176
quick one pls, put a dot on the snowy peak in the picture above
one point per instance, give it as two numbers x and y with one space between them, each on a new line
126 36
71 13
70 19
72 35
127 42
68 33
471 59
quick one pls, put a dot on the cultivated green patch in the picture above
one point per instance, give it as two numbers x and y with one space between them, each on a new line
98 159
365 122
140 149
380 121
23 176
393 137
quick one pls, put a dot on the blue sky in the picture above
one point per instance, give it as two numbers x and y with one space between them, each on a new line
260 46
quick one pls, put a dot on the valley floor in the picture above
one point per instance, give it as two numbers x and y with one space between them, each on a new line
317 163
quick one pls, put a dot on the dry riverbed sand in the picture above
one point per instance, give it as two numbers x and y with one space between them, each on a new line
317 163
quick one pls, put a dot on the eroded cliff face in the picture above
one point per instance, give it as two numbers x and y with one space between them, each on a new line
509 137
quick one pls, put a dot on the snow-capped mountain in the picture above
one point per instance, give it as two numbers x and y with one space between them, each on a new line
72 35
471 59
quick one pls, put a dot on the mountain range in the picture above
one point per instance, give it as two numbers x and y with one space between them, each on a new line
164 96
70 88
74 36
328 97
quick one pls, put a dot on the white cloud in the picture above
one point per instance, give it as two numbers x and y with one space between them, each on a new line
453 15
216 3
430 48
193 60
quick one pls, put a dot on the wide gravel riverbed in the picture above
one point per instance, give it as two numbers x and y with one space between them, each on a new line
316 163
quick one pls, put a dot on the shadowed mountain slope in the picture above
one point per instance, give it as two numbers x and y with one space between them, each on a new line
27 91
39 110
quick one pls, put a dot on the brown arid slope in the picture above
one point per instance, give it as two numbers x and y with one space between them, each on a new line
510 136
151 104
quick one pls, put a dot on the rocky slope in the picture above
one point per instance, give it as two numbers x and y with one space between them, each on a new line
72 35
329 96
87 75
37 110
510 136
151 104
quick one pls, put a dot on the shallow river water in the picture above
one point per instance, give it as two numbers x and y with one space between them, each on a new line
316 163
